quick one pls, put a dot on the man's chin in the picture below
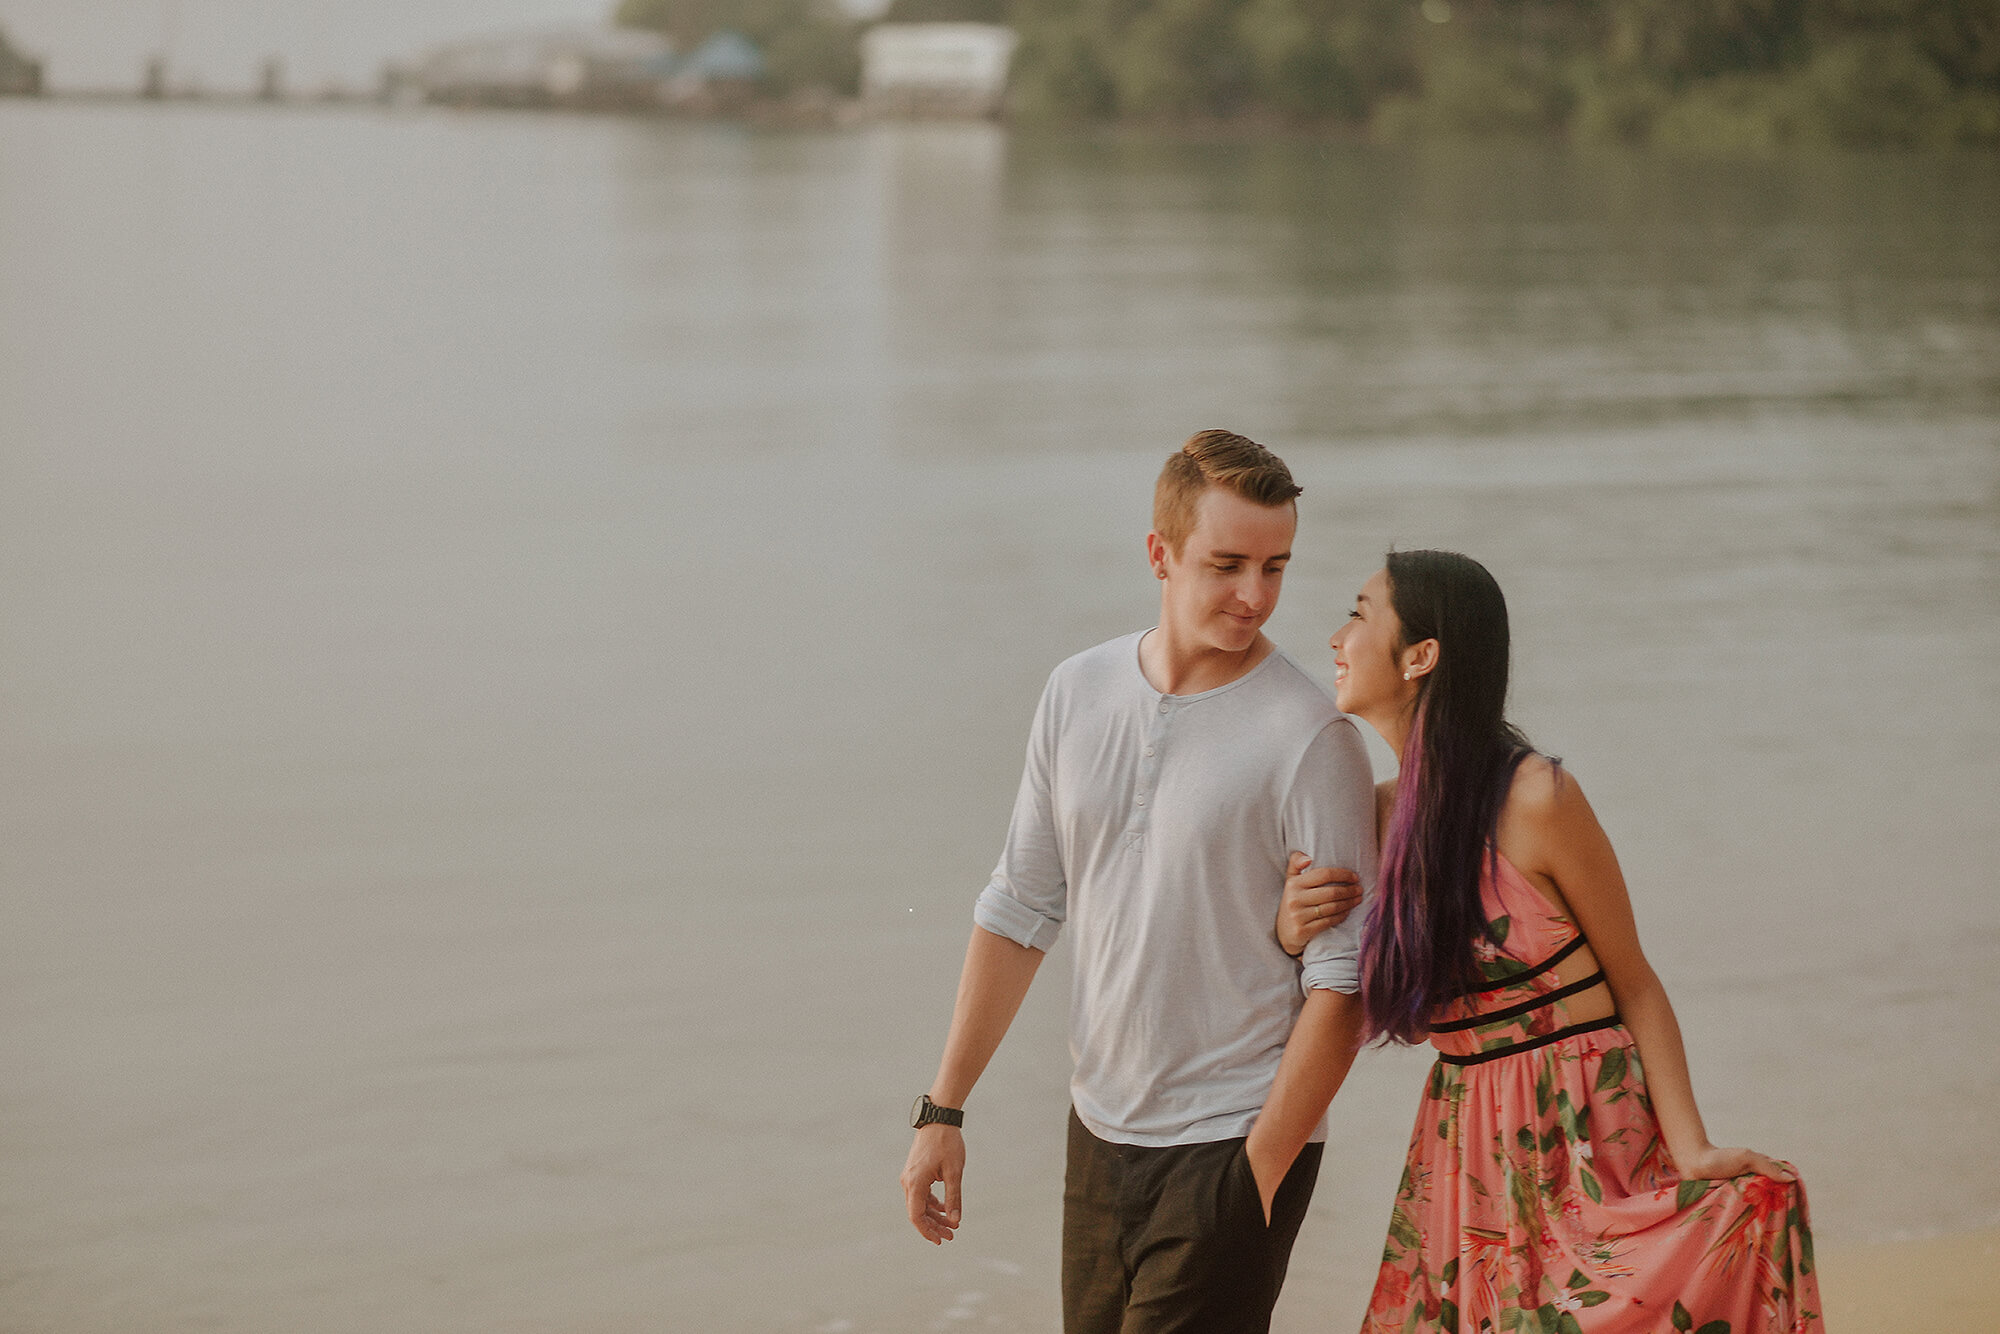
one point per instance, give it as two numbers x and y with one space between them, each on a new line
1236 638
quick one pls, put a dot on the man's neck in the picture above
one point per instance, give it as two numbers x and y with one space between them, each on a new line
1176 668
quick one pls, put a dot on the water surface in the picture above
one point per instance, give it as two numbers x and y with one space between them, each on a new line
517 635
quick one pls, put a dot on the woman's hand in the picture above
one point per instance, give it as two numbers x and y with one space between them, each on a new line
1709 1163
1316 897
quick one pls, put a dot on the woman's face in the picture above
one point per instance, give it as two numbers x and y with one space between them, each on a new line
1367 669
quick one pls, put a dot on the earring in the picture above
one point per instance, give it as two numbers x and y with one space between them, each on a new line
1406 676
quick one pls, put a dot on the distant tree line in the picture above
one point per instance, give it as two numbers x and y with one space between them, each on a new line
1727 73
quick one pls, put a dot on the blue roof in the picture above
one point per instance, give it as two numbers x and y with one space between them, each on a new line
726 55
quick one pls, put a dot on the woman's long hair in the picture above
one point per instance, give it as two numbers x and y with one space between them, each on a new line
1417 950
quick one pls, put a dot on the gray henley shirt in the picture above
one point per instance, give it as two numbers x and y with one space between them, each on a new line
1158 827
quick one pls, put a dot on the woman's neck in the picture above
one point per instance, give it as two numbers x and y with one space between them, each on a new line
1393 729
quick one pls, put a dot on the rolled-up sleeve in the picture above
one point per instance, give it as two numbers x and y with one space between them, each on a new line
1329 815
1027 899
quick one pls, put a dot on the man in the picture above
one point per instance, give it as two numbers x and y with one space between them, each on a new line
1169 774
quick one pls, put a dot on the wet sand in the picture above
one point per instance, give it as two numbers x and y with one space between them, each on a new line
1914 1287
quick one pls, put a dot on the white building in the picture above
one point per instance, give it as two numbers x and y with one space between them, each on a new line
936 69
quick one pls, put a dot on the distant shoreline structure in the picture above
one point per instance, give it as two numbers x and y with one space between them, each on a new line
936 71
909 71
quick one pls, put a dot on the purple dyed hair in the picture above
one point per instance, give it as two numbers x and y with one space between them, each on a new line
1417 950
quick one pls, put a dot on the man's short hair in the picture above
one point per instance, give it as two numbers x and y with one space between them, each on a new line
1216 458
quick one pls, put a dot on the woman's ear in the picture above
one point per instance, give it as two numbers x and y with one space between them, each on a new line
1420 659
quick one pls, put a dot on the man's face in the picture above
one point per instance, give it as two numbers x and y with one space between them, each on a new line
1223 584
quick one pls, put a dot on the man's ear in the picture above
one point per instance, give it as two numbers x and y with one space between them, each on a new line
1420 659
1156 554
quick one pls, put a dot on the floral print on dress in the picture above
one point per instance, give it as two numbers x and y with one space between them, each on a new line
1538 1197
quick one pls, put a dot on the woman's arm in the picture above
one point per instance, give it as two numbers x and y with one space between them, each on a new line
1550 822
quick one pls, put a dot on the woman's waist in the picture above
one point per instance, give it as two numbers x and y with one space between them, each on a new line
1478 1046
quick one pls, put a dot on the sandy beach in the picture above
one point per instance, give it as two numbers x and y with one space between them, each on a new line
1903 1287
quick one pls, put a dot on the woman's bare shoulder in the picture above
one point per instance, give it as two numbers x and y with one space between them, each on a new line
1545 796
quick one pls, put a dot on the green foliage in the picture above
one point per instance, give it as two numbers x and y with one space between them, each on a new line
1321 59
1182 59
826 55
1060 72
948 11
1684 40
1731 75
805 43
1475 89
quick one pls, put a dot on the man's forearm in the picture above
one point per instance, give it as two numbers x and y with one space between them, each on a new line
991 987
1317 1057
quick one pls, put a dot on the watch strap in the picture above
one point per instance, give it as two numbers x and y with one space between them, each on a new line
929 1113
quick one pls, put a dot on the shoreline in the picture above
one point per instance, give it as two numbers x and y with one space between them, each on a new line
1912 1287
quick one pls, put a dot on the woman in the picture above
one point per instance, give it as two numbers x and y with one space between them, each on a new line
1559 1178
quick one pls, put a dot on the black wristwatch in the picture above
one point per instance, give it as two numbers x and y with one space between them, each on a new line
927 1113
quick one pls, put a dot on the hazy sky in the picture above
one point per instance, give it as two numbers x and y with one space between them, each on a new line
103 43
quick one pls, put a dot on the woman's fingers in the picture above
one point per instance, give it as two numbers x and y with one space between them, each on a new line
1315 898
1310 914
1326 905
1771 1167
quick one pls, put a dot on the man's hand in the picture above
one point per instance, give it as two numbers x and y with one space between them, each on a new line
1316 897
938 1155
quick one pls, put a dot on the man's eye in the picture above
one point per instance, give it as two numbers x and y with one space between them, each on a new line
1354 615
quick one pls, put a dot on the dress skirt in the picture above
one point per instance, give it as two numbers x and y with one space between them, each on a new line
1538 1198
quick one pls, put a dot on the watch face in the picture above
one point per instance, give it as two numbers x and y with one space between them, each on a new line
917 1109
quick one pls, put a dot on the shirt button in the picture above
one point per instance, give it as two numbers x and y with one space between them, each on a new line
1142 801
1163 706
1149 750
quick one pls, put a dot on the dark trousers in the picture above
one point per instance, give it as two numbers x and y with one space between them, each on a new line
1173 1240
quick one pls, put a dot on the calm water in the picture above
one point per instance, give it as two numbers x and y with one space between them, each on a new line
516 637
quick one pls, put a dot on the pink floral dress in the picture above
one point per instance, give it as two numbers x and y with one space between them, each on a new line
1538 1197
